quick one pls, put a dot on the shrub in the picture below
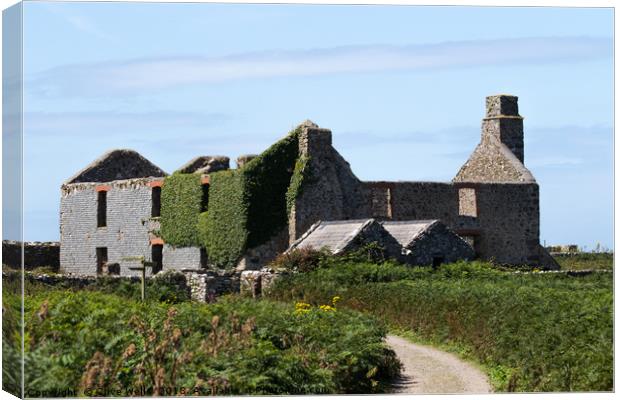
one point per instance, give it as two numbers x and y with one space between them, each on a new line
168 287
82 340
300 260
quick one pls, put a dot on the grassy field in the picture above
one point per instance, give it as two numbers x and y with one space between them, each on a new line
530 332
89 342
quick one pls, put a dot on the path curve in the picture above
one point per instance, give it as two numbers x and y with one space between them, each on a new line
429 370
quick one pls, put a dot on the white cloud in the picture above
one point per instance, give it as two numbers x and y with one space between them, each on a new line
139 75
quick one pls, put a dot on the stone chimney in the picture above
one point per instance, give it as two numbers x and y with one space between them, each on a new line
314 141
503 121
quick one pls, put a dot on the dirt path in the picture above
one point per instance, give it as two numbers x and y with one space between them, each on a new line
428 370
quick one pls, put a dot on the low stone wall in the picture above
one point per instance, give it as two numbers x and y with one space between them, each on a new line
64 281
36 254
206 285
254 283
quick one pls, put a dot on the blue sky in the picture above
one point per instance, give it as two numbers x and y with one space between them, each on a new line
401 87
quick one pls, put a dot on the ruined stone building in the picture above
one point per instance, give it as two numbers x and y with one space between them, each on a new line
112 210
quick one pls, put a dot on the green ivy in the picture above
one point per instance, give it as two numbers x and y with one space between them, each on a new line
224 226
268 177
247 206
181 198
300 176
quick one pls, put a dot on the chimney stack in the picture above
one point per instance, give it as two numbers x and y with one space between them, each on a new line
503 121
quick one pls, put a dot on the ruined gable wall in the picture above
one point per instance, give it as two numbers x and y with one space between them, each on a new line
126 233
331 192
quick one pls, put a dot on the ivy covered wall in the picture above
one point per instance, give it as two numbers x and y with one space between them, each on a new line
246 207
181 200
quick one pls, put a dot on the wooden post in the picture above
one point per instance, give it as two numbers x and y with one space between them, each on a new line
144 265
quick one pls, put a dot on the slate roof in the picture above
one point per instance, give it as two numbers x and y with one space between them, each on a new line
333 235
406 232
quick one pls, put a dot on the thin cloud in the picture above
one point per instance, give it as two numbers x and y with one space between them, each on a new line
78 21
110 123
141 75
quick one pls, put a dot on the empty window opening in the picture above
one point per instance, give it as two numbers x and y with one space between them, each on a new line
157 257
102 260
205 198
102 208
204 259
114 269
437 261
156 202
467 202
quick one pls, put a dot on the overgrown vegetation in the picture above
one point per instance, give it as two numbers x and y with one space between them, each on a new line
181 199
582 261
533 332
268 178
246 206
225 234
102 344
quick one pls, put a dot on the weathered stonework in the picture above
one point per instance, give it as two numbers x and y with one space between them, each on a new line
428 242
205 165
205 285
36 254
256 283
493 202
128 227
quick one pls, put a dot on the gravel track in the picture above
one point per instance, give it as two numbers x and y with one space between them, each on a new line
429 370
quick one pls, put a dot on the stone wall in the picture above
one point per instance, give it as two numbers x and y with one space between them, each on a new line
127 231
62 281
255 283
508 215
331 191
205 285
36 254
179 258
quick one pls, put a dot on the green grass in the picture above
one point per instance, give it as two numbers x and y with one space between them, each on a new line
531 332
83 339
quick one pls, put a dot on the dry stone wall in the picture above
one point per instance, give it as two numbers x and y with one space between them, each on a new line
36 254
